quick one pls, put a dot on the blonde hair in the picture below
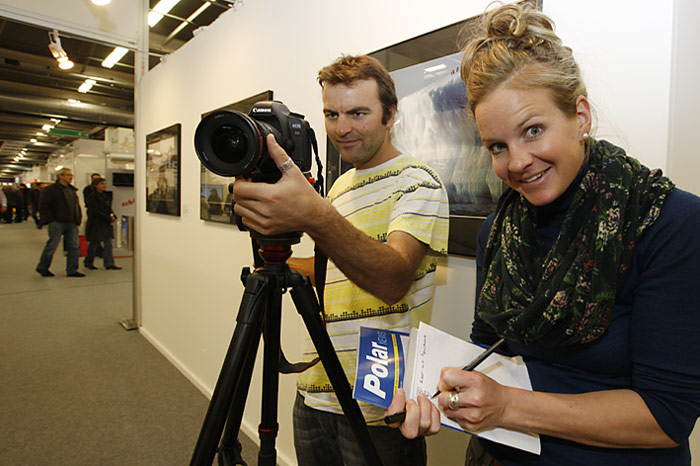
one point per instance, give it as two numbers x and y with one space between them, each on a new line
517 45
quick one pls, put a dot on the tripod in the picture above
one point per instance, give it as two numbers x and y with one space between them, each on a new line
260 314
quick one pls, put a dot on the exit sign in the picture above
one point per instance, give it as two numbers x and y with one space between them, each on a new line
70 132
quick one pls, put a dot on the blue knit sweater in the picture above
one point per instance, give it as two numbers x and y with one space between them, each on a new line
652 345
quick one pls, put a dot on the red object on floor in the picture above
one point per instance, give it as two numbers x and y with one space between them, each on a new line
83 245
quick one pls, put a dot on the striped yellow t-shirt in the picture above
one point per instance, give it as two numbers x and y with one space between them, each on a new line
402 194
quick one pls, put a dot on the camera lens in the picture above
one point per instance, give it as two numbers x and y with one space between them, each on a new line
229 143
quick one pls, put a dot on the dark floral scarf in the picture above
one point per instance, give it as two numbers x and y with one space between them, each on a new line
565 296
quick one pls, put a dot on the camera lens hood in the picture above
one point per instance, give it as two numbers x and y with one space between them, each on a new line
229 143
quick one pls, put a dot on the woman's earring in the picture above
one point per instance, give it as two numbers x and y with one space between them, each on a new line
585 136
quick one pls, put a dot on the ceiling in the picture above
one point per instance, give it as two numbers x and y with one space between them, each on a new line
33 90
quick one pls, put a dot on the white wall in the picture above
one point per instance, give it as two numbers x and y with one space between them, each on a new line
684 164
189 269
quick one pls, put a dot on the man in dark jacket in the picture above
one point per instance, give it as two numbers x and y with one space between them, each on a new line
60 210
99 225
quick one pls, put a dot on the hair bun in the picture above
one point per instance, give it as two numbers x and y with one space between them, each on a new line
520 26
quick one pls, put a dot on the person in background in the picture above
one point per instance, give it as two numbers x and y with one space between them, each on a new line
587 268
11 200
60 210
99 230
3 202
383 226
34 194
89 189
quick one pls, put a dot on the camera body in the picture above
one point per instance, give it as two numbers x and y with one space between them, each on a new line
231 143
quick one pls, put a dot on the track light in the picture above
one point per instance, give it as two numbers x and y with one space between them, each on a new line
101 2
57 51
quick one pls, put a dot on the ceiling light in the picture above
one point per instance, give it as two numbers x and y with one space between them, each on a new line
47 127
40 134
58 167
185 23
100 2
87 85
57 51
32 140
73 101
162 8
114 57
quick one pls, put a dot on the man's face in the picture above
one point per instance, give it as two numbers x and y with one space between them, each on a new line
66 178
353 116
101 186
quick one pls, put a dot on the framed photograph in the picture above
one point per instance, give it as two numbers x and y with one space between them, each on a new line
163 171
432 124
215 197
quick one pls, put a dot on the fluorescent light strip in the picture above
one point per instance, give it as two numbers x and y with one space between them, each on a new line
87 85
162 8
114 57
191 18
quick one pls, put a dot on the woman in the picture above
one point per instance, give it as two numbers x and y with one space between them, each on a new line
99 225
587 268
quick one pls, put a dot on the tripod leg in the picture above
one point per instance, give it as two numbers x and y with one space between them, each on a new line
269 427
229 451
245 338
307 305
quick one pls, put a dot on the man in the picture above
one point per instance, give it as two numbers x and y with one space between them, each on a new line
60 210
99 225
382 227
89 189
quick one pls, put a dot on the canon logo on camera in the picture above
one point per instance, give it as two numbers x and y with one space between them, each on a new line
262 110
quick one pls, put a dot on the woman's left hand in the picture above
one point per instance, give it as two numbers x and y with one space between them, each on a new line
481 401
422 417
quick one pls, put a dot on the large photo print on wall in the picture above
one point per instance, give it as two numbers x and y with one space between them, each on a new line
163 171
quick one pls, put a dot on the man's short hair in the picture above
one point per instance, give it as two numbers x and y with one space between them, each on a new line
97 181
95 175
347 69
63 171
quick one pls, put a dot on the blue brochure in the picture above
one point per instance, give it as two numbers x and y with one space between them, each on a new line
380 365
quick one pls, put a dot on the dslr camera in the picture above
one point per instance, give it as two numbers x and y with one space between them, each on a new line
231 143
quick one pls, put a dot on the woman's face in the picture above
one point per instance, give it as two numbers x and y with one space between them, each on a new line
535 147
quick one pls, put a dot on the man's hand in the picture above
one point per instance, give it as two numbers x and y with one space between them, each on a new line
291 204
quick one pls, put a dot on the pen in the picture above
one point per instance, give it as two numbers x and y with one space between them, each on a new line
396 417
401 416
478 360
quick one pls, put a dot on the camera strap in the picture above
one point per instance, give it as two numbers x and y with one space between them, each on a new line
318 184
